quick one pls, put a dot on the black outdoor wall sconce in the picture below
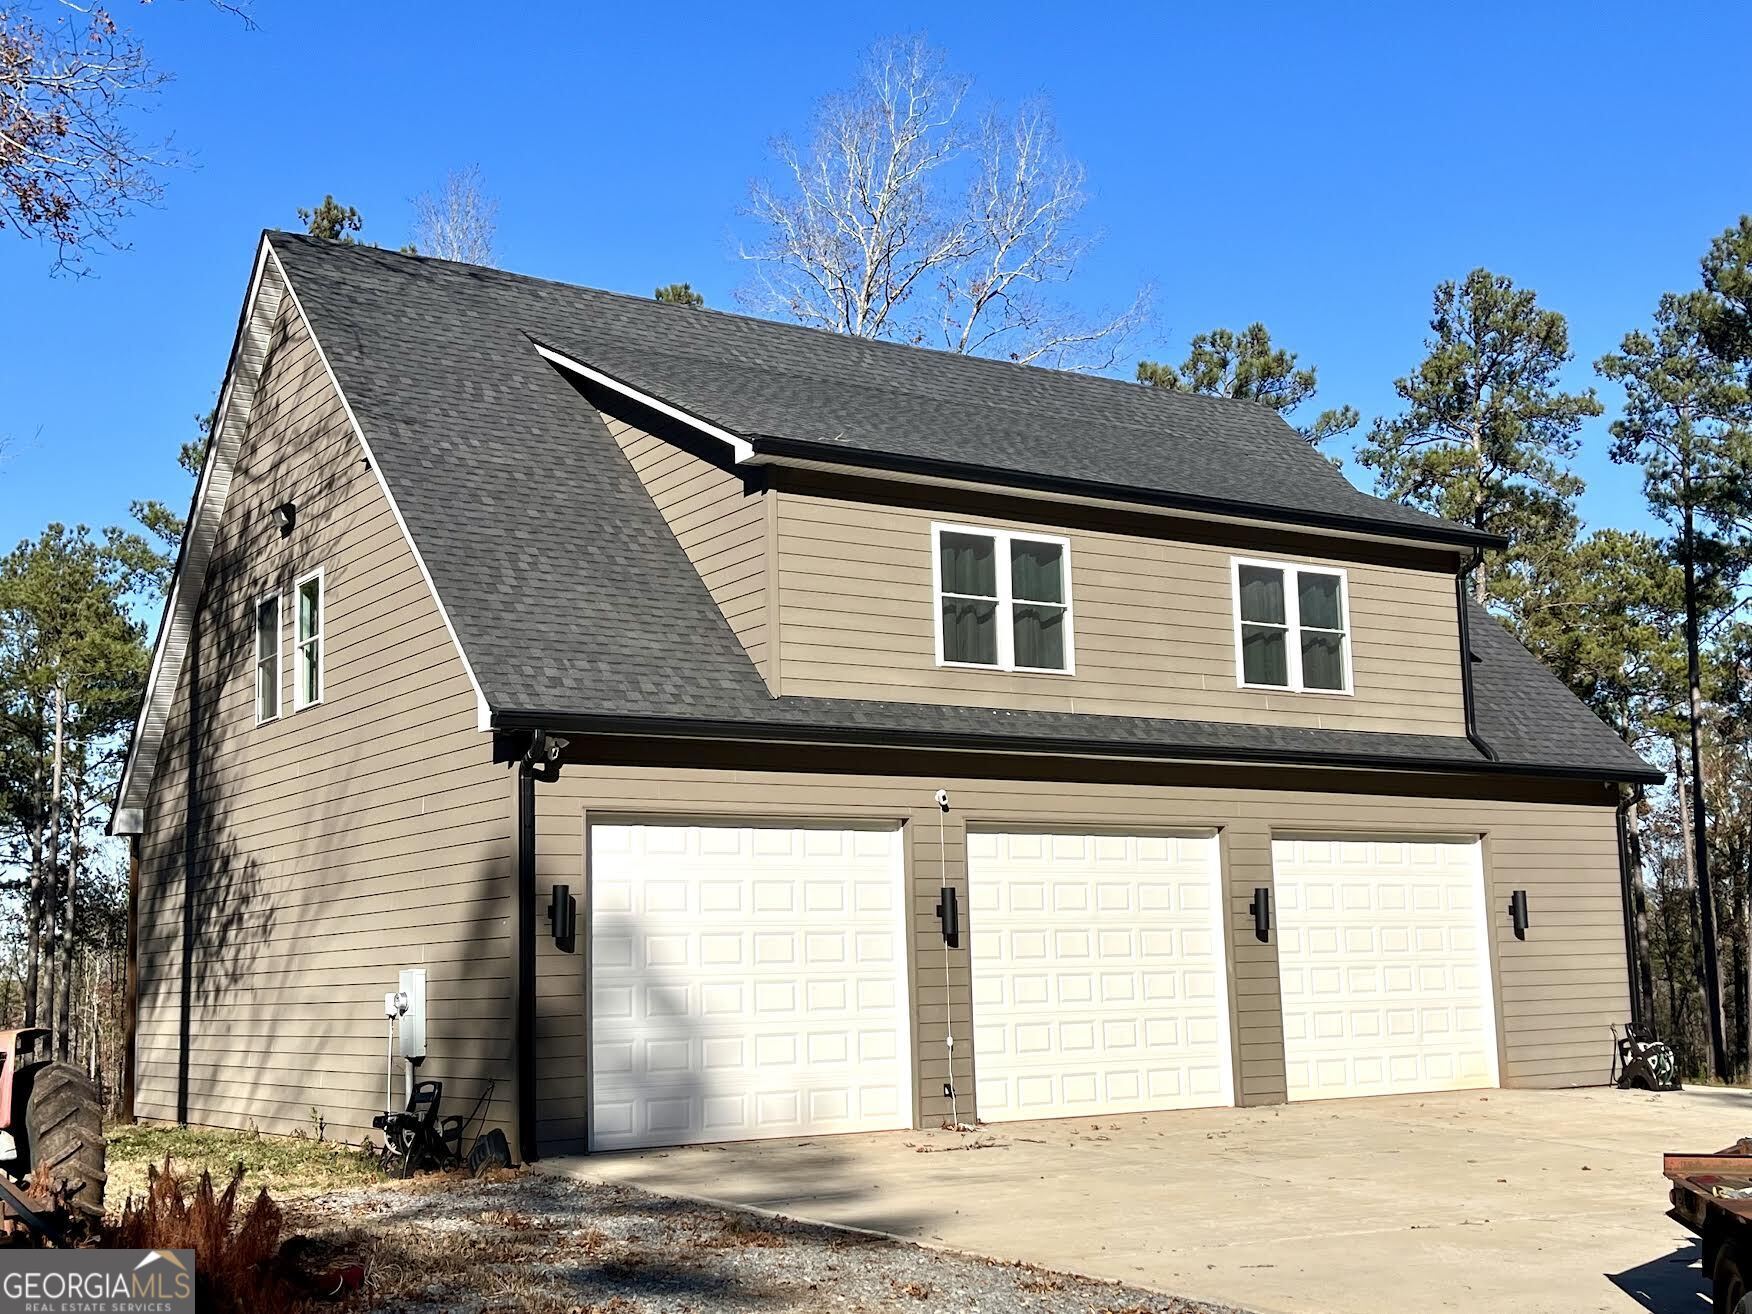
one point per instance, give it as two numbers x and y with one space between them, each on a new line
1518 913
949 914
287 516
563 918
1261 910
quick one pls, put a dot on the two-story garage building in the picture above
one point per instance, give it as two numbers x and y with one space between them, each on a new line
757 639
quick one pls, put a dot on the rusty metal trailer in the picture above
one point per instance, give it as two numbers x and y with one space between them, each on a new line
1712 1196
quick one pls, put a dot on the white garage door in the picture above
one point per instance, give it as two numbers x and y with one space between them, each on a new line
746 981
1385 966
1098 976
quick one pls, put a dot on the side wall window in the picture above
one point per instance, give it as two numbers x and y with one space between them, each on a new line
267 658
307 654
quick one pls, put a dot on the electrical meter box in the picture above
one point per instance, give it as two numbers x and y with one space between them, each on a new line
412 1026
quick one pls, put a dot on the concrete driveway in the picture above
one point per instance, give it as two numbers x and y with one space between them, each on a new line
1488 1200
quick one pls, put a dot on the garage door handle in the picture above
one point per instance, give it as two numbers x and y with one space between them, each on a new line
1261 910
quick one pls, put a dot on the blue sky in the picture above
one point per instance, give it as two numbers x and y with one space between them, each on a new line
1319 167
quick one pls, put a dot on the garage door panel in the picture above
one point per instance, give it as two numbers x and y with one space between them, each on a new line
1383 966
746 981
1126 1007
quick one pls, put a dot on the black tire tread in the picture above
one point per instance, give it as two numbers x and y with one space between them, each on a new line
63 1122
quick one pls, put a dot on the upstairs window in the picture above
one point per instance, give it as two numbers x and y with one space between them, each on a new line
307 652
1291 628
1003 600
267 658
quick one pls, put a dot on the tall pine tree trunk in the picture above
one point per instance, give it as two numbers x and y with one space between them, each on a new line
1682 794
75 857
33 912
51 860
1712 981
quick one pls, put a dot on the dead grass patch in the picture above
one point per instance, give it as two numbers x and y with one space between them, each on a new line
281 1165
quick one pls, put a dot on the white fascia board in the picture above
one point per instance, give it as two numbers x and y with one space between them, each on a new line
739 446
483 712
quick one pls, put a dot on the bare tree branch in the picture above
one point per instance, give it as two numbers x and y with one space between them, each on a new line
896 223
71 167
459 221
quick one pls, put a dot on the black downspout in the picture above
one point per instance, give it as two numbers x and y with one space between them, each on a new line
1641 1014
1469 708
524 1041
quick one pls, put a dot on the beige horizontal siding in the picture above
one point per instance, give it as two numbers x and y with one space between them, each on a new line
1557 990
336 845
1153 622
717 518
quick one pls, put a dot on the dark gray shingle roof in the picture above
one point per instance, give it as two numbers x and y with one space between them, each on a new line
570 595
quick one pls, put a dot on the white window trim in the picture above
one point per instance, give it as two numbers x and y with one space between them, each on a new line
255 621
1293 624
299 702
1006 604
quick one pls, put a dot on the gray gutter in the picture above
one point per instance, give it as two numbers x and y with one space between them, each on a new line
1469 705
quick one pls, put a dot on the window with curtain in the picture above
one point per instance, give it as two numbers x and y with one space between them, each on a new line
267 659
1003 600
307 654
1291 627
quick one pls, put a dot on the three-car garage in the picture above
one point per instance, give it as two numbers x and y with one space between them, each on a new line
771 978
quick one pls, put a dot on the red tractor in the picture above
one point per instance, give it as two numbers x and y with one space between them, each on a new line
51 1141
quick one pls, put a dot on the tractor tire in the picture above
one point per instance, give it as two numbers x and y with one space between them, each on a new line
1729 1279
63 1137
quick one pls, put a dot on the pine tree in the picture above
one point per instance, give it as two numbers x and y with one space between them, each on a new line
330 220
1487 432
1248 366
679 294
1687 422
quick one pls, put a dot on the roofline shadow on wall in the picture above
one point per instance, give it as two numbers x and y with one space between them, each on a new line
782 449
706 729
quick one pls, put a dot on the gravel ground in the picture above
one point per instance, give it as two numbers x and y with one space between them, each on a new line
535 1243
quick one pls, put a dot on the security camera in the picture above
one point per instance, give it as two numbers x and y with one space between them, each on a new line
943 799
395 1003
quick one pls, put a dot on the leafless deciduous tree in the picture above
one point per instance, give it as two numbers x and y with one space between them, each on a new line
897 221
71 166
458 221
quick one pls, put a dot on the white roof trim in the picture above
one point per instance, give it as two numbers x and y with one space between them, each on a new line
741 447
483 712
267 288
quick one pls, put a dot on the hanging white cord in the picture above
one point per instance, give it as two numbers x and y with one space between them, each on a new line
948 992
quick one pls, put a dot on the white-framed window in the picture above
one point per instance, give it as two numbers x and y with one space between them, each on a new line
1003 599
1292 627
267 658
309 611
